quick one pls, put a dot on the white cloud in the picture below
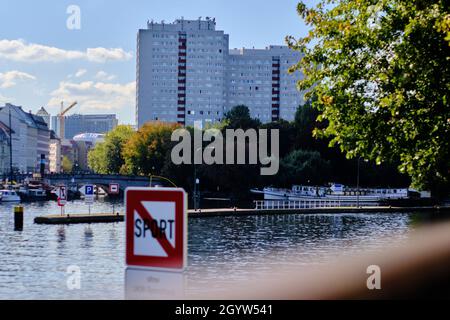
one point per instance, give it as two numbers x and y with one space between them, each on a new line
80 73
21 51
102 75
10 78
4 99
95 96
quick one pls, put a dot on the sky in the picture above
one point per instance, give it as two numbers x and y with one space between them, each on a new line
43 62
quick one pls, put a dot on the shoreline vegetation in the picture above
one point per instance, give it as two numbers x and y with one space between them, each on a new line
303 159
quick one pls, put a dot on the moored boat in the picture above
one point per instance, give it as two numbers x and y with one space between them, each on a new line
9 196
337 192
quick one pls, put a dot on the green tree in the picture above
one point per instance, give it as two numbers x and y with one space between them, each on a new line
303 167
239 117
380 72
287 131
66 165
97 159
106 157
304 124
146 152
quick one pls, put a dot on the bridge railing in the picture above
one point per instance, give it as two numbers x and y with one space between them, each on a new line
303 204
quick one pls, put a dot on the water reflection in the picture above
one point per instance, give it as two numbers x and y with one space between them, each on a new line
61 234
220 248
153 285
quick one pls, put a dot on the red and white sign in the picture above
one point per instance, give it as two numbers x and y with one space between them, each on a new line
156 228
62 196
114 188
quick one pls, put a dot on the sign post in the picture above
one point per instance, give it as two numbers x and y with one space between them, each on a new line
156 228
114 189
89 195
62 197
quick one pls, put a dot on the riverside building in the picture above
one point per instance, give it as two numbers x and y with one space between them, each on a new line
186 73
30 138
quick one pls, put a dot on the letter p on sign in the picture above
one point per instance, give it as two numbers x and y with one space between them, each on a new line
156 228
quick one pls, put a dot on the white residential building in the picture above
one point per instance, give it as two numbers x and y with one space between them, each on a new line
186 73
5 133
55 157
30 139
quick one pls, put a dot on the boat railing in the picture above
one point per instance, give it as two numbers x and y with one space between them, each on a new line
304 204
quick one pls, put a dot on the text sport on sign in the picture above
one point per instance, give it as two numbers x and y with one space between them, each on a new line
156 228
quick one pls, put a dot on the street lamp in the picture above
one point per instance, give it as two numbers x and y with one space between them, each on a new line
357 184
196 180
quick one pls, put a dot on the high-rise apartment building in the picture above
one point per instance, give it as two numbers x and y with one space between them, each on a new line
186 73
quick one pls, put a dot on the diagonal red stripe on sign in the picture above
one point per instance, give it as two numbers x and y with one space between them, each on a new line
145 215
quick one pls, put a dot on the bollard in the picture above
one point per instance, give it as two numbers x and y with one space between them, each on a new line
18 218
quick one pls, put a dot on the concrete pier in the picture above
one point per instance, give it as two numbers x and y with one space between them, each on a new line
79 218
205 213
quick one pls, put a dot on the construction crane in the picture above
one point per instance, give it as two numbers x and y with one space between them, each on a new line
61 118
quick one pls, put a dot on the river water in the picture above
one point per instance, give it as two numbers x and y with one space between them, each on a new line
34 262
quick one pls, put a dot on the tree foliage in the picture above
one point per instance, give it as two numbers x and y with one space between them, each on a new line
304 167
239 117
146 151
380 71
106 157
66 165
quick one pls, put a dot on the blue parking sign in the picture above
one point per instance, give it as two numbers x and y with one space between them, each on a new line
89 190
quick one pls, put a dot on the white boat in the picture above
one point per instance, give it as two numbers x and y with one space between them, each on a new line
9 196
336 192
273 193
